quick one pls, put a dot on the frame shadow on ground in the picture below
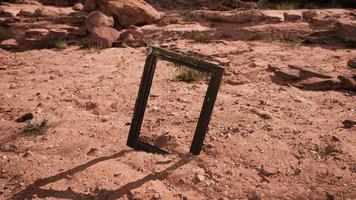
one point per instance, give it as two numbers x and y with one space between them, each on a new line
35 189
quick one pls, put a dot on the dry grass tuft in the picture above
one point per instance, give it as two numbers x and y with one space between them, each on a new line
60 45
203 37
188 75
290 40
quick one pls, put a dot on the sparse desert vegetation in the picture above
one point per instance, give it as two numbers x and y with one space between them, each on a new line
187 75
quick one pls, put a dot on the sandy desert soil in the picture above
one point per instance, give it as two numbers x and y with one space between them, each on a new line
267 139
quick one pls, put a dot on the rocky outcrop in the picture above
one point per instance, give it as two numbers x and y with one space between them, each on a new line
130 12
97 19
305 78
104 37
231 16
281 30
36 34
292 17
331 27
345 29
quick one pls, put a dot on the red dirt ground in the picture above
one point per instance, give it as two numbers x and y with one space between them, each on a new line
267 139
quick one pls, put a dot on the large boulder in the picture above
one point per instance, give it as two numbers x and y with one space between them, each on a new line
90 5
130 12
97 19
104 36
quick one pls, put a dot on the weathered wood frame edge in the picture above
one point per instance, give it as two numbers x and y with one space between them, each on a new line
214 70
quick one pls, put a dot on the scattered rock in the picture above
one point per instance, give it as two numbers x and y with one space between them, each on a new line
36 34
333 148
262 114
163 161
335 139
90 105
264 172
348 123
288 74
104 36
347 82
199 178
222 61
25 117
78 6
9 44
232 81
132 37
330 196
9 148
27 154
13 86
98 19
296 171
239 79
113 106
352 168
254 195
315 83
352 63
92 152
130 12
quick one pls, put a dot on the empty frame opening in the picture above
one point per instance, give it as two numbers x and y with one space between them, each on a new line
173 107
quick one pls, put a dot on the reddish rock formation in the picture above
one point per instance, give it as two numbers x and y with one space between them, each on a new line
104 36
